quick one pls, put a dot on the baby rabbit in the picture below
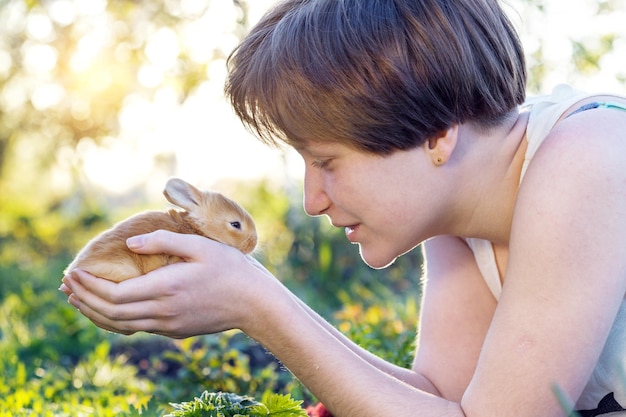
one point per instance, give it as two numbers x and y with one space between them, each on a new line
208 214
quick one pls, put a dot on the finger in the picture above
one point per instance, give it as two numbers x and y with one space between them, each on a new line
64 289
130 291
134 299
83 296
186 246
119 317
125 318
126 327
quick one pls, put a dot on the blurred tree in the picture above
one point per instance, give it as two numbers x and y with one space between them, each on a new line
583 45
68 68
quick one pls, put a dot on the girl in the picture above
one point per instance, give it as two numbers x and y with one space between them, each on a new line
411 119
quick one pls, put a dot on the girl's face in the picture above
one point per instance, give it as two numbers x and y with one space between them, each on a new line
382 202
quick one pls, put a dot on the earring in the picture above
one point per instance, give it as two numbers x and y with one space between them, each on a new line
439 160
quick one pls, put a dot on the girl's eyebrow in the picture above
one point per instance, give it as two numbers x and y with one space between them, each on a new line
305 147
317 148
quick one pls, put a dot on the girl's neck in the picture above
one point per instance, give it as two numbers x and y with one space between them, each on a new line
495 160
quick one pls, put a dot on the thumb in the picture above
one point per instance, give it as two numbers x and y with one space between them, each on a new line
136 243
185 246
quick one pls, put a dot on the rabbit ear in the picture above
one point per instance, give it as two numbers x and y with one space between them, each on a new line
181 193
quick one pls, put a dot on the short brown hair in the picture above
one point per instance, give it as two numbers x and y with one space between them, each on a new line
376 75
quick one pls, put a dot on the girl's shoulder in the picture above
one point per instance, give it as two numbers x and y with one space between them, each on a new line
569 114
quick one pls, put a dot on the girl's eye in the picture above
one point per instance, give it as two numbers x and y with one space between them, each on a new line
321 163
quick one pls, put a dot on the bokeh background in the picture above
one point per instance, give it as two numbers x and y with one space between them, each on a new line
102 101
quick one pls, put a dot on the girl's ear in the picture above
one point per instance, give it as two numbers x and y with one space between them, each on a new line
440 147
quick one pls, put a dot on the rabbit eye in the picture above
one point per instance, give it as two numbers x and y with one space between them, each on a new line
236 225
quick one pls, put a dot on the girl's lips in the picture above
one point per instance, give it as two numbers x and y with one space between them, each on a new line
350 232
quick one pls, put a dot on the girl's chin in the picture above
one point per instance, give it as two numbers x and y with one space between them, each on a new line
377 260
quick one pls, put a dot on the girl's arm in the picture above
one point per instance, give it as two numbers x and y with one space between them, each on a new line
410 376
456 311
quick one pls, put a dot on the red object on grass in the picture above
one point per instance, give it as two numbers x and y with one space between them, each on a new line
318 410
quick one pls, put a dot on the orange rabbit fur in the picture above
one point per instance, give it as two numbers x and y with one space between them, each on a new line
205 213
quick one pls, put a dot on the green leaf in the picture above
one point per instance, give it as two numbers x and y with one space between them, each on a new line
219 404
224 404
283 405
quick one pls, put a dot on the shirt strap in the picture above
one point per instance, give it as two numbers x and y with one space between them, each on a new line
598 105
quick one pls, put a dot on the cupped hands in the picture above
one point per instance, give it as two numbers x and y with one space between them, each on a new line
214 289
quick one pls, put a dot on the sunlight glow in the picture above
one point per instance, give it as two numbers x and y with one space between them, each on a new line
6 62
38 58
90 7
150 76
39 27
62 12
102 162
200 135
162 49
47 95
13 95
89 48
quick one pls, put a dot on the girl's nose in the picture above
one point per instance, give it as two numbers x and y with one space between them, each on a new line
316 201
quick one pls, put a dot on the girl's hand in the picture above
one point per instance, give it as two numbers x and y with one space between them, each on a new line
211 291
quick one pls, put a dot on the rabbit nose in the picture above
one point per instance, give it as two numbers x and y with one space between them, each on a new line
248 244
